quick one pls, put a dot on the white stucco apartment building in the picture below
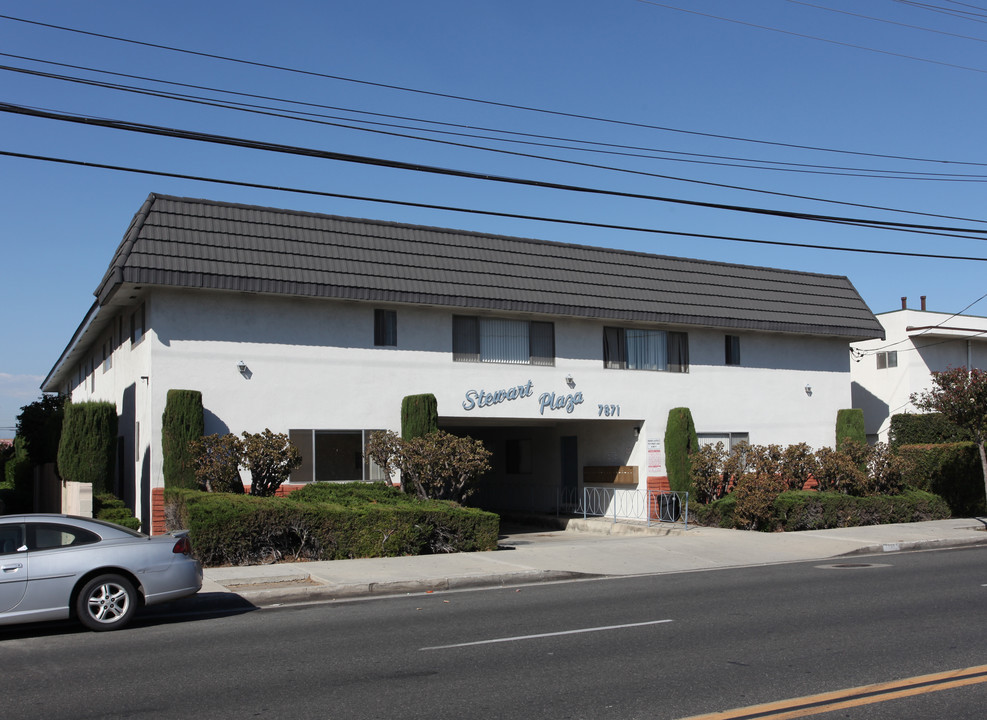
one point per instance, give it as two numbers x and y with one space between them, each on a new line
560 357
886 372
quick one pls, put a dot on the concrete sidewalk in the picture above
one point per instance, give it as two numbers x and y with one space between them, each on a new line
584 548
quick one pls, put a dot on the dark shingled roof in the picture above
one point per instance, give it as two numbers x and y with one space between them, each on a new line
181 242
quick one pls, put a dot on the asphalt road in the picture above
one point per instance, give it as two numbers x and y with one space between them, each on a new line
668 646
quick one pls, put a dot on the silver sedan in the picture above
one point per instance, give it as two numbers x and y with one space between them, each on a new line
59 566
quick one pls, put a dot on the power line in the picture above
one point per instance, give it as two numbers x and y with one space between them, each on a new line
816 37
889 22
432 169
474 127
473 211
464 98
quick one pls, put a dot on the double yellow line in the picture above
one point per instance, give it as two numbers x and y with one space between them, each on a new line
852 697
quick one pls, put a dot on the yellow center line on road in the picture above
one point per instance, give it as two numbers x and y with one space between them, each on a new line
852 697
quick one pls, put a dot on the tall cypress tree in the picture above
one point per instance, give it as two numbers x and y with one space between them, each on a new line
680 440
419 415
87 449
850 425
182 422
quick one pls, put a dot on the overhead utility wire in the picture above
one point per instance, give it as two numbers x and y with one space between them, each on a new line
419 167
301 116
492 213
474 127
464 98
815 37
952 12
889 22
871 351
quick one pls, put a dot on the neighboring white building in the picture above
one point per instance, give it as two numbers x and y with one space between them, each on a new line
559 357
885 373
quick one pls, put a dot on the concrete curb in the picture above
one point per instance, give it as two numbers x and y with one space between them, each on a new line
912 545
293 592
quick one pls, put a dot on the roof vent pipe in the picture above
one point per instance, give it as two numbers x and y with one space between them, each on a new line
923 303
904 303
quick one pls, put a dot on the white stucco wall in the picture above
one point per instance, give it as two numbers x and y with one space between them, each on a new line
886 392
312 365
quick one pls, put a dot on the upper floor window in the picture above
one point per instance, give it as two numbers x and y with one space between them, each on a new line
385 328
641 349
137 325
732 350
502 340
887 359
108 354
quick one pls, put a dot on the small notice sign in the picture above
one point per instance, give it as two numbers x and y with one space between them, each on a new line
655 465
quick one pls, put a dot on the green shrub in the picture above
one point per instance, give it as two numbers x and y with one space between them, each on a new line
419 415
309 524
216 463
719 513
110 508
87 449
924 429
680 441
181 423
40 425
952 471
806 510
850 426
839 472
351 494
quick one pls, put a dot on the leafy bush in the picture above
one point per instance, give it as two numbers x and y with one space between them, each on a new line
924 429
216 463
181 423
438 466
270 458
718 513
706 473
885 471
110 508
238 530
838 472
17 488
680 441
419 415
798 465
755 494
952 471
87 449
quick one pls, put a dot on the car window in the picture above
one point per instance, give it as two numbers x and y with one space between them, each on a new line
44 536
11 539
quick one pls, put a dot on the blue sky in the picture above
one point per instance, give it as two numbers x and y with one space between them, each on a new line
707 77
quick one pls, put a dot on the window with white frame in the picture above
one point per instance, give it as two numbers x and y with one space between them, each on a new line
138 325
729 439
645 349
887 360
502 340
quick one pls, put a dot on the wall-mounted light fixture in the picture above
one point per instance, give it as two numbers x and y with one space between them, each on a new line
242 367
808 390
569 381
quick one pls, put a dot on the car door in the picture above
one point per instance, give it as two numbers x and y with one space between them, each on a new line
59 554
13 565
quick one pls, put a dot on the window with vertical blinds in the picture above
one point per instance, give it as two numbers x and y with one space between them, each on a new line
502 340
644 349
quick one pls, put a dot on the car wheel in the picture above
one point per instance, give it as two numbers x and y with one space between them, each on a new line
107 602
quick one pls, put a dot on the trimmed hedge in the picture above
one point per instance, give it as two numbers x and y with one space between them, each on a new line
924 429
950 470
108 507
330 522
811 510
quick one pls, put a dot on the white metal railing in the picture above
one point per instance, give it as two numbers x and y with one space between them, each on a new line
634 505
